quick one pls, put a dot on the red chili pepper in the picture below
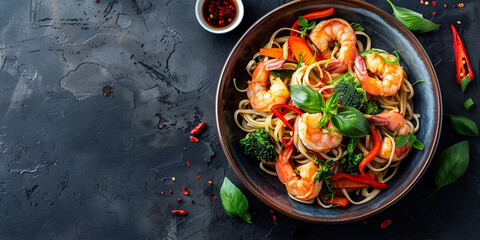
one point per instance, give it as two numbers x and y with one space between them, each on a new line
277 114
212 199
179 212
196 130
362 179
198 177
185 192
377 143
188 163
310 16
385 223
461 58
193 139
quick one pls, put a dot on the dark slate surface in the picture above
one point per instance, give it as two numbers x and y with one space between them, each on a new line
76 164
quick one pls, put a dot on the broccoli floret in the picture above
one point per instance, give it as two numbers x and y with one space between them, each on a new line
258 145
351 160
371 107
350 93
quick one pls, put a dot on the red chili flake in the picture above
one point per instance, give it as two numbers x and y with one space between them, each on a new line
271 211
162 193
460 5
364 222
205 159
196 130
184 149
179 212
198 177
161 126
445 5
385 223
188 163
171 191
145 182
210 182
274 218
212 199
193 139
433 13
185 192
434 3
179 199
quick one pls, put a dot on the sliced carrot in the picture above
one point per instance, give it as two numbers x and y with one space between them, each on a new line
338 201
299 46
277 53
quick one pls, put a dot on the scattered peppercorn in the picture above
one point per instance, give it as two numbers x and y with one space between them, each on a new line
162 193
385 223
212 197
171 191
193 202
179 199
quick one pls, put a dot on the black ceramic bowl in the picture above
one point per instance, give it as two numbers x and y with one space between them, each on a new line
386 33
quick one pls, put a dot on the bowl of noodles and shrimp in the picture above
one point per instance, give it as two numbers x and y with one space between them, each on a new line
323 117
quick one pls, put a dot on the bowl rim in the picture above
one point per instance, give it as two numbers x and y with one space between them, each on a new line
418 172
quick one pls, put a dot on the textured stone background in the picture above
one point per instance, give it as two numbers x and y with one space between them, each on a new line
78 165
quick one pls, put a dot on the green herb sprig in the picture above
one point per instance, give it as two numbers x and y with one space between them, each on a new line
305 26
233 201
410 140
324 173
413 20
357 27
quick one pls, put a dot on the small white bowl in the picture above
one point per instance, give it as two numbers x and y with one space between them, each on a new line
236 21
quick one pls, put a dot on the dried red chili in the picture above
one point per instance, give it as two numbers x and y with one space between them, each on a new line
193 139
196 130
185 192
188 163
198 177
434 3
274 218
219 13
212 199
161 126
179 212
385 223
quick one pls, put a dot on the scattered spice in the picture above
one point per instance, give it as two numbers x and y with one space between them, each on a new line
179 199
459 22
444 5
162 193
212 197
107 90
193 139
196 130
426 3
205 159
210 182
364 222
271 211
185 192
434 3
173 179
188 163
274 218
193 202
179 212
385 223
161 126
433 13
98 1
171 191
421 1
198 177
460 5
184 149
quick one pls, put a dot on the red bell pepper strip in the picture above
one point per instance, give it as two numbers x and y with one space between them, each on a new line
377 143
280 116
310 16
461 58
362 179
341 201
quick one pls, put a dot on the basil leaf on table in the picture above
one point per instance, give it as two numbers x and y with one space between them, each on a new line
233 201
307 99
413 20
451 164
350 122
463 125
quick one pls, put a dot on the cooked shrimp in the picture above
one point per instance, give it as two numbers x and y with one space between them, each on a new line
315 138
392 120
391 74
339 30
260 98
300 186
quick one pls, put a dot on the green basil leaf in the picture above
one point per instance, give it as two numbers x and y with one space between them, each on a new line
464 83
350 122
331 104
300 61
412 138
418 145
324 120
307 99
463 125
413 20
451 164
419 81
233 201
357 27
469 104
302 22
282 73
401 140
